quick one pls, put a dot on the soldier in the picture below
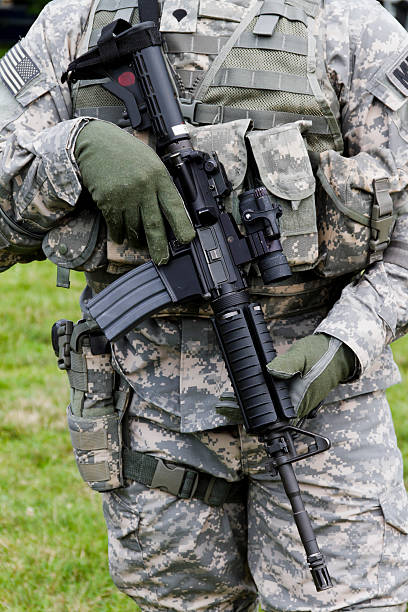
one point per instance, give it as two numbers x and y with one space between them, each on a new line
317 91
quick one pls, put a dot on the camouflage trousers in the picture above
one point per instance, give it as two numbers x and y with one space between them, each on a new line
173 554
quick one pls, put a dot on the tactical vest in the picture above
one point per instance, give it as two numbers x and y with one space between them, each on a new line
248 73
266 65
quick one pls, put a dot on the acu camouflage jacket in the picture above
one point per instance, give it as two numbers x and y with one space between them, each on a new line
365 54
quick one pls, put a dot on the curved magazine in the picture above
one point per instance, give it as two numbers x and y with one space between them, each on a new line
141 292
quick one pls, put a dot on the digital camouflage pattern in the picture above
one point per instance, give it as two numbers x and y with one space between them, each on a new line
340 226
172 545
284 166
39 181
94 418
97 447
78 242
229 141
354 492
182 23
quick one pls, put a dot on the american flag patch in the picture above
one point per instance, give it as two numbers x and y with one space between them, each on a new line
17 69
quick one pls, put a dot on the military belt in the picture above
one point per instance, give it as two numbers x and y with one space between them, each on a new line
183 482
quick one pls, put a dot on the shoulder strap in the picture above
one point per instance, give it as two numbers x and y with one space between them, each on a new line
149 10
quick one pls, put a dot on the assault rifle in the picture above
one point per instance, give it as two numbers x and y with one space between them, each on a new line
211 268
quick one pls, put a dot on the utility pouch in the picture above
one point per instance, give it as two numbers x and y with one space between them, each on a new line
77 244
228 141
283 164
285 169
97 444
355 210
98 402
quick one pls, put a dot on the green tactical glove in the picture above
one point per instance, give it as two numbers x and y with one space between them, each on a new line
313 366
132 188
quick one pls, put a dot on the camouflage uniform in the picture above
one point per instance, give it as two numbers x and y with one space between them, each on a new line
172 554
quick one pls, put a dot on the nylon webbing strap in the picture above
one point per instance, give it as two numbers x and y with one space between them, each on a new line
262 79
277 42
115 5
190 77
94 472
180 481
193 43
382 219
211 45
292 13
262 120
266 24
113 114
77 374
63 275
149 10
93 440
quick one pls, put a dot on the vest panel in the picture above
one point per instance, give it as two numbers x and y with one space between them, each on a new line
252 75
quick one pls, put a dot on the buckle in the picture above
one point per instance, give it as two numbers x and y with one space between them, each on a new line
61 341
381 225
170 479
209 490
188 109
84 327
224 491
382 217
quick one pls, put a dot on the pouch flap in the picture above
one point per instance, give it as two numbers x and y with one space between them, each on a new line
228 139
70 245
283 162
350 181
394 504
13 105
38 88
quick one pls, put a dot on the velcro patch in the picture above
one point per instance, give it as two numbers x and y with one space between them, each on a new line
17 69
398 73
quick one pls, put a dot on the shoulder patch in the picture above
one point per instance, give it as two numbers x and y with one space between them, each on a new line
398 73
176 18
17 69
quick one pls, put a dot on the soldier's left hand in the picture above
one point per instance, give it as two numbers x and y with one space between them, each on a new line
313 366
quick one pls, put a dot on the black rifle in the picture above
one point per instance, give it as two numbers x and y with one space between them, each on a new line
131 61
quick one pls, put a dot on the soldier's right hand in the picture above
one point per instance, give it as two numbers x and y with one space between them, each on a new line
132 188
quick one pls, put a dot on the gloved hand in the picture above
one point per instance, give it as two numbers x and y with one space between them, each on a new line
132 188
313 367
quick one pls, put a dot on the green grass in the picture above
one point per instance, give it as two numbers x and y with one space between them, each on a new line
53 546
398 399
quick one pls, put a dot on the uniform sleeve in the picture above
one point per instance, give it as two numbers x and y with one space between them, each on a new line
39 178
369 66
